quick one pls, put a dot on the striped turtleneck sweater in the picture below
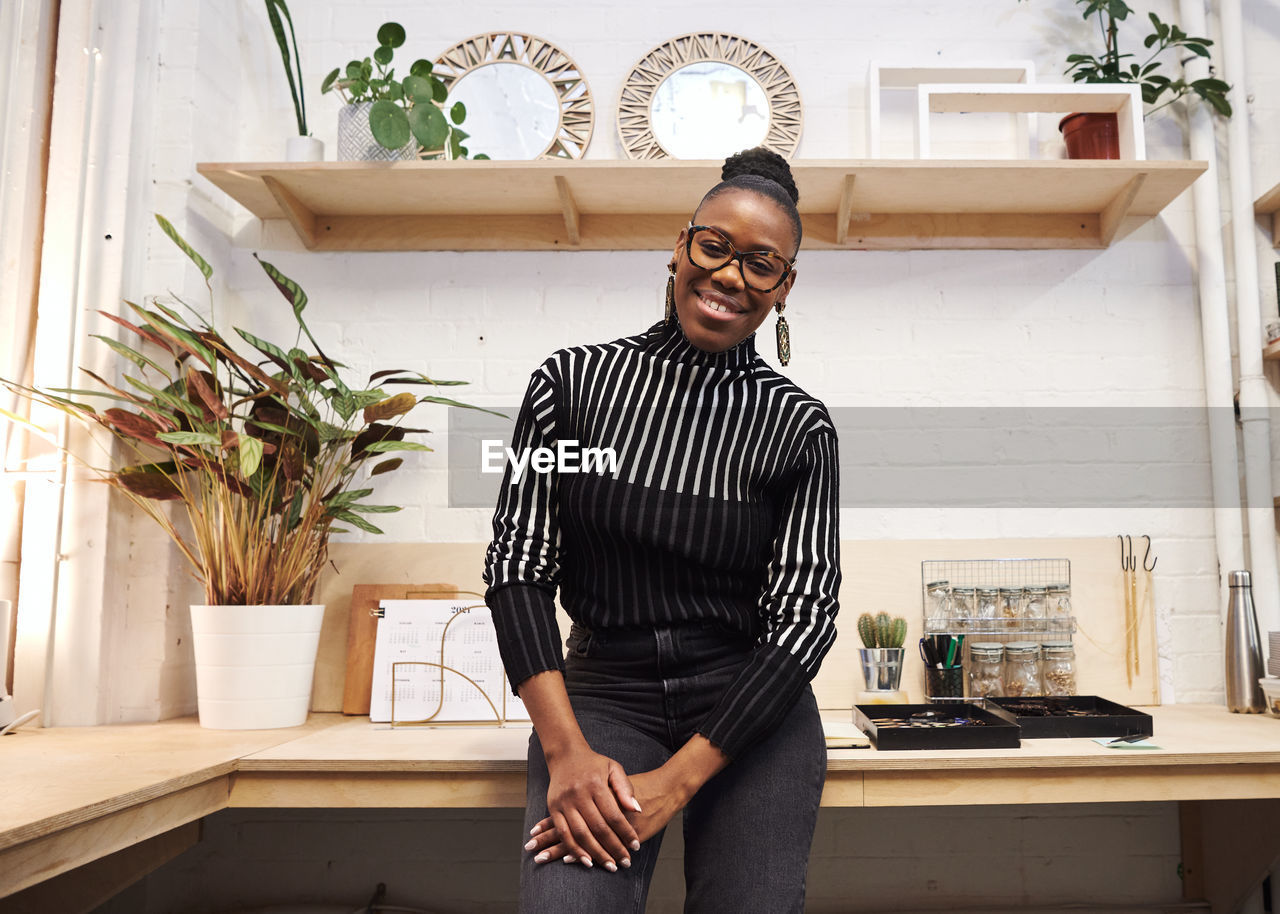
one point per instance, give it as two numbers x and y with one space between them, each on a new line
721 504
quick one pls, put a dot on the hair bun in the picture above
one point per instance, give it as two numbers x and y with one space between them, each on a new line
764 163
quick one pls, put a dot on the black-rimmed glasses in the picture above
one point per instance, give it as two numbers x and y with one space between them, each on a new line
709 249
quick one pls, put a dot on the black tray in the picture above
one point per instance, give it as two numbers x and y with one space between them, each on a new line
1101 717
997 731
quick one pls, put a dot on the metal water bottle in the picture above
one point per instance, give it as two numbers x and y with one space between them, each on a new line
1243 649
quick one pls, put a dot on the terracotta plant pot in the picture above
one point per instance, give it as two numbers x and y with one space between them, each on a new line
1091 135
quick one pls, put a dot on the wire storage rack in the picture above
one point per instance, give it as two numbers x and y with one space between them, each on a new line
996 600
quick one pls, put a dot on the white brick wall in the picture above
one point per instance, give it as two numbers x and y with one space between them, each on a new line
888 329
910 328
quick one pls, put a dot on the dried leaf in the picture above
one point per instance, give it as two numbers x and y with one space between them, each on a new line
390 407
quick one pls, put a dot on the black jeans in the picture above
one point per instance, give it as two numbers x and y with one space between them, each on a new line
639 695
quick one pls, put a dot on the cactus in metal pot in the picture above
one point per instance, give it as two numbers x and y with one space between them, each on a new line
882 630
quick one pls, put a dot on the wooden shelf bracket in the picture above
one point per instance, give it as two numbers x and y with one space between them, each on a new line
301 218
844 211
1113 214
570 210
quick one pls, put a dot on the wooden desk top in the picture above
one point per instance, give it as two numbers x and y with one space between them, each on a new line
63 779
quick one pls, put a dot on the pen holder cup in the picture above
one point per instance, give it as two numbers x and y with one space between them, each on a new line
948 683
881 667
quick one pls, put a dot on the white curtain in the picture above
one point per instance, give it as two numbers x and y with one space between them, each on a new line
28 33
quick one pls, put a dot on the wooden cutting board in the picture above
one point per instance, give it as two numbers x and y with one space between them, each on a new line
362 629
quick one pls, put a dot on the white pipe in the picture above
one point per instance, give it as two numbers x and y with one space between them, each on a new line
1260 507
1215 329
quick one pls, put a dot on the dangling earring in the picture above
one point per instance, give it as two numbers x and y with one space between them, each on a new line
784 335
671 292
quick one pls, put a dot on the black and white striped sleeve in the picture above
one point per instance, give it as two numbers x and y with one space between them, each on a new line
521 565
798 605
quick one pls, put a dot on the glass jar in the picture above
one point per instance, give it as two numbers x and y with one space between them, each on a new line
937 604
1009 606
1034 608
1059 668
986 672
962 605
1022 669
1059 603
985 607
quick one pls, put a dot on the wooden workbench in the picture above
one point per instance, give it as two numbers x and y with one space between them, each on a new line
75 795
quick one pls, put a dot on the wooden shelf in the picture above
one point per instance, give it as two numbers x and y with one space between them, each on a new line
872 204
1269 205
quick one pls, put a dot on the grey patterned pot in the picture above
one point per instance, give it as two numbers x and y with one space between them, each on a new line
356 142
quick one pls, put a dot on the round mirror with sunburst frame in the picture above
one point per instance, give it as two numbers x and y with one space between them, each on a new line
525 98
707 95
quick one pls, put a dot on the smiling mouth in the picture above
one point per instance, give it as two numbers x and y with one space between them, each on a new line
720 305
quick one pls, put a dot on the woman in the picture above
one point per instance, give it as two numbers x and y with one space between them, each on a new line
701 571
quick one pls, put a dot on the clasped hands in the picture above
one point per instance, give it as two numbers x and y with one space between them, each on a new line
598 814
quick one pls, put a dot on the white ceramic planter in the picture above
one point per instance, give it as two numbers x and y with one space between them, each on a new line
356 142
303 149
254 664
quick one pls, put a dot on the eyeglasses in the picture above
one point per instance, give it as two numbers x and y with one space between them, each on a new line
709 249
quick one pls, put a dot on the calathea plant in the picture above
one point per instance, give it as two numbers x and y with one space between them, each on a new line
412 107
268 450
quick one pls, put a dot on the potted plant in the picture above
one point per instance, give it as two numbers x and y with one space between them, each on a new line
303 147
881 655
385 118
267 452
1095 135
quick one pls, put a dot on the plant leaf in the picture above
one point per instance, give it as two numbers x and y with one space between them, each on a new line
389 124
250 455
391 35
382 447
429 126
191 439
390 407
354 520
200 262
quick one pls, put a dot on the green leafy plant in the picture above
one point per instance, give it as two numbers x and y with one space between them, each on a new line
401 109
268 453
1114 66
882 630
276 9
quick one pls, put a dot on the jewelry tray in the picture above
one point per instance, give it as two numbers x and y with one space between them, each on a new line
1077 716
996 730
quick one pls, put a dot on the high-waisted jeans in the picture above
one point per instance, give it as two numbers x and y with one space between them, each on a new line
639 695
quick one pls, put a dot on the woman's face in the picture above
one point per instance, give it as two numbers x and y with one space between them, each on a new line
717 309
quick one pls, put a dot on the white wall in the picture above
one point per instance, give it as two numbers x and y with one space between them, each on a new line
1054 328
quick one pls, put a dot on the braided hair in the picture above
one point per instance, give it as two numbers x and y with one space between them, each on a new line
765 172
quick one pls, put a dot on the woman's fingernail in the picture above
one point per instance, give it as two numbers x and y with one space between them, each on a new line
626 861
635 845
543 857
535 829
569 858
611 867
531 845
635 804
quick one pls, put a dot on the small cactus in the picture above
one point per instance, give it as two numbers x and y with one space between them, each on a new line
883 623
867 630
882 630
898 632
